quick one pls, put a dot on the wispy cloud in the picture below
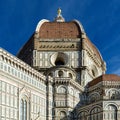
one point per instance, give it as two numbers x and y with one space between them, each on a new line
115 59
117 71
114 65
114 42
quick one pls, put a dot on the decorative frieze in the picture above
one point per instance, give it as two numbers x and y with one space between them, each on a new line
58 45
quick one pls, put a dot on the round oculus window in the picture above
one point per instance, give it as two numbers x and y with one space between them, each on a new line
59 58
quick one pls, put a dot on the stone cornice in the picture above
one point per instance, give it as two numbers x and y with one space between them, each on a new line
68 81
19 82
97 86
105 84
111 84
19 64
58 40
88 106
61 67
58 45
77 85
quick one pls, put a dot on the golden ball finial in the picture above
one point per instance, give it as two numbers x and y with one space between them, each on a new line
59 11
59 17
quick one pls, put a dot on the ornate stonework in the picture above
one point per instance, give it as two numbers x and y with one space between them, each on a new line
62 77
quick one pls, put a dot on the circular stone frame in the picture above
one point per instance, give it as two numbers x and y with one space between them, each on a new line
59 58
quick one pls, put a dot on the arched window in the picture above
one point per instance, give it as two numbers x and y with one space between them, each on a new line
94 97
113 94
95 114
62 89
63 115
70 75
60 73
23 109
111 112
82 115
71 91
94 71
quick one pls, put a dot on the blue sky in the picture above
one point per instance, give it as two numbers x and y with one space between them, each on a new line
100 19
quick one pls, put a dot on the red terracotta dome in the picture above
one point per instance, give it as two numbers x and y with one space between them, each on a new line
56 30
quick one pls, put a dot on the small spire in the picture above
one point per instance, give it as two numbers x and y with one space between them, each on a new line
59 11
59 17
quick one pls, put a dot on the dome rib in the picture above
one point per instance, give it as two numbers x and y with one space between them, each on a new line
80 25
40 23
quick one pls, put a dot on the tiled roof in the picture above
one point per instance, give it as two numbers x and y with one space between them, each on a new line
106 77
54 30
